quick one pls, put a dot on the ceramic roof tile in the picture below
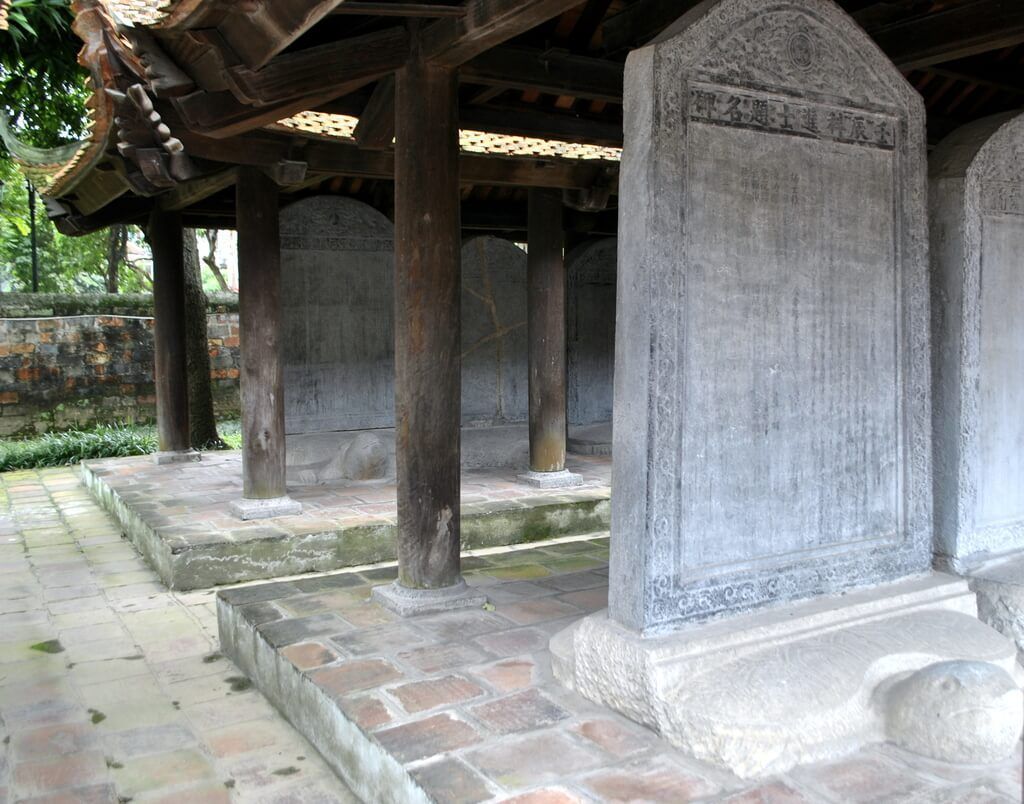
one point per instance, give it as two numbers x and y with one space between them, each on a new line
140 12
480 142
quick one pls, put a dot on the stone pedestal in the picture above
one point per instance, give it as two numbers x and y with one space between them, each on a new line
763 692
772 412
551 480
265 509
176 456
407 602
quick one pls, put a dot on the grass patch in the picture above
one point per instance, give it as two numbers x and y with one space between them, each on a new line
238 683
49 646
107 441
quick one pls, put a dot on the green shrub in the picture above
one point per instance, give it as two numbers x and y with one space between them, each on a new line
107 441
67 448
231 434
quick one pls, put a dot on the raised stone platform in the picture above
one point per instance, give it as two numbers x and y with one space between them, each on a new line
179 517
462 706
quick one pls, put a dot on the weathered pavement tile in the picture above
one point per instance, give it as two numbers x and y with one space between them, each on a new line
111 688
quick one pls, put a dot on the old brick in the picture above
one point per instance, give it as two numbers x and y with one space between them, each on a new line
418 696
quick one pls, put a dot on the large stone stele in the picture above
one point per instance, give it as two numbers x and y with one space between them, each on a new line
772 417
977 237
337 264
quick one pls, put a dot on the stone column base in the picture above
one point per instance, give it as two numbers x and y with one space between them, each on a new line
247 509
176 456
763 692
551 480
999 585
407 602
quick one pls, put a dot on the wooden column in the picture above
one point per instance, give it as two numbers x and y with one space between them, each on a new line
546 330
166 241
259 301
428 366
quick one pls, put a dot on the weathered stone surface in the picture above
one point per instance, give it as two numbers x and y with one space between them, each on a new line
551 480
590 331
337 261
977 233
957 712
999 585
246 509
763 692
407 602
772 417
494 347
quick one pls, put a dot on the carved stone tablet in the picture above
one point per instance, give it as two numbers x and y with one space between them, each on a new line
590 335
977 238
772 408
337 263
495 376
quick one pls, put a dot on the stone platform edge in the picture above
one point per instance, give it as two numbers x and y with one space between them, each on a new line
185 566
358 759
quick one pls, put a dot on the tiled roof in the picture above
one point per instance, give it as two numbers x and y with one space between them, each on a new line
339 126
140 12
5 6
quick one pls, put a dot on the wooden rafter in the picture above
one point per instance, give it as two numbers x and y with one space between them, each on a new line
486 24
308 72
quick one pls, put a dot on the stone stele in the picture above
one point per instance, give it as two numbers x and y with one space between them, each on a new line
772 418
977 236
590 332
337 263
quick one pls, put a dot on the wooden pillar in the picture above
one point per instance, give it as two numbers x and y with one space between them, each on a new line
259 301
167 243
545 294
428 365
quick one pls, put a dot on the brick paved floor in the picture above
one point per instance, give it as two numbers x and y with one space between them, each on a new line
466 702
112 689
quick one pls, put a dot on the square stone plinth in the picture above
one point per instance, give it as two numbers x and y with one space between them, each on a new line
406 602
551 480
247 509
461 706
176 456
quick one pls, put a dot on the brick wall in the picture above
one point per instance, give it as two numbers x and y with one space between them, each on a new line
83 370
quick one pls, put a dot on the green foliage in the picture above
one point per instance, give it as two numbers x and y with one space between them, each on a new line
231 434
42 88
65 449
108 441
66 264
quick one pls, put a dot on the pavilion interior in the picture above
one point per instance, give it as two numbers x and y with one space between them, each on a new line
454 121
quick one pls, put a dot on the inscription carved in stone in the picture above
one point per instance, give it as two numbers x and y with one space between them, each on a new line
771 408
977 234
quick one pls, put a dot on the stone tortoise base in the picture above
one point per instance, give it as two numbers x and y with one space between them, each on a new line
463 707
179 517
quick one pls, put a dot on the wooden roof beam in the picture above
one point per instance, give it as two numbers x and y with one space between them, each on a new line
399 9
262 149
258 31
305 73
953 33
486 24
376 127
551 72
